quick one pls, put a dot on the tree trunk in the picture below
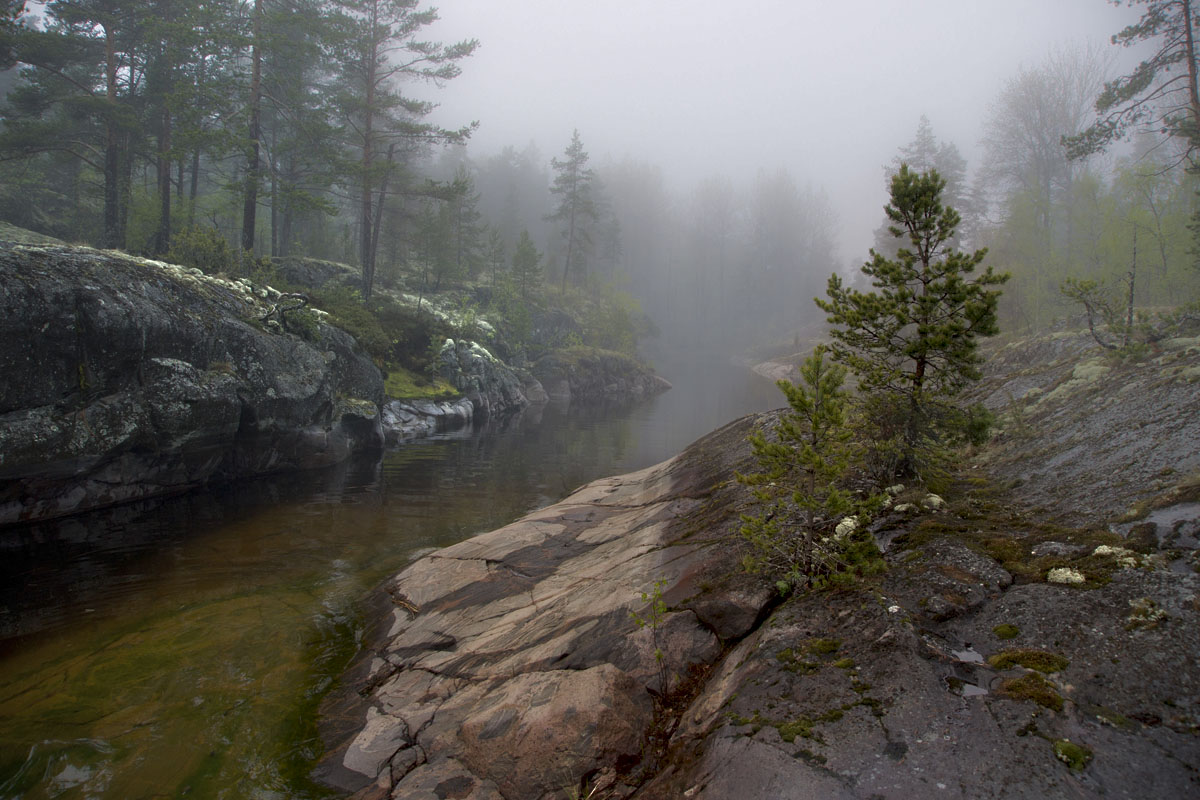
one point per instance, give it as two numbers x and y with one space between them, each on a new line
114 231
163 239
274 194
1193 78
250 208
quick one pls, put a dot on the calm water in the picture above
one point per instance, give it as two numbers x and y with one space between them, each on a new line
179 648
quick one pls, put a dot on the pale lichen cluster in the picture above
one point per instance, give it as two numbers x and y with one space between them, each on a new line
1066 576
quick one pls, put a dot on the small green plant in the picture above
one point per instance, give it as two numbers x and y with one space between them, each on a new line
811 528
1032 686
1072 755
653 618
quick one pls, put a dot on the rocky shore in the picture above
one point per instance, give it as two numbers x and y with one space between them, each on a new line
126 378
1001 655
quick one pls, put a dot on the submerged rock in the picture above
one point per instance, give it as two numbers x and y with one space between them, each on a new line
126 378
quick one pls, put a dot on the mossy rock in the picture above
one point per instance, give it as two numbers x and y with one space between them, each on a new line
1029 658
1032 686
1071 754
1006 631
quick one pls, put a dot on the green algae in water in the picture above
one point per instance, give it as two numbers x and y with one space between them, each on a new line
229 688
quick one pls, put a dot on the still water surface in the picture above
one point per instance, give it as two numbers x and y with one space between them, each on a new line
180 648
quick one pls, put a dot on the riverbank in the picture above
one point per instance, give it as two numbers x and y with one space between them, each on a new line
128 379
129 676
514 665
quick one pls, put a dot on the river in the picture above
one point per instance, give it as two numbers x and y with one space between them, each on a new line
180 647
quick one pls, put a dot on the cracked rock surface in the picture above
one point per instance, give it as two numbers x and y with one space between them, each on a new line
511 664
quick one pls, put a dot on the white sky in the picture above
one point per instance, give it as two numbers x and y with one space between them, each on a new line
828 89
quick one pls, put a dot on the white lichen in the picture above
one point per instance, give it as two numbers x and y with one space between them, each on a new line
1123 557
934 501
1065 575
846 527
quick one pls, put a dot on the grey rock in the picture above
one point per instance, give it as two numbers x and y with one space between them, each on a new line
516 655
588 375
128 378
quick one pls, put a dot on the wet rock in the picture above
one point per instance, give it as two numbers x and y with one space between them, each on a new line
1088 436
492 387
403 420
839 696
127 378
948 579
516 657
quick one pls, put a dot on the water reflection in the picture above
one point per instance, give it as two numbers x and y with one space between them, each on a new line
179 646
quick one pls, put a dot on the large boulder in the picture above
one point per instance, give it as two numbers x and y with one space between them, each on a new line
583 375
491 385
127 378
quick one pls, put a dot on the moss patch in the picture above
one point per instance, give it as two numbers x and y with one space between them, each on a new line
1072 755
788 731
1034 687
1006 631
793 661
1029 658
403 384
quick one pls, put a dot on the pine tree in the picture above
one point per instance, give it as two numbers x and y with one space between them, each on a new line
526 265
810 527
576 210
381 45
913 340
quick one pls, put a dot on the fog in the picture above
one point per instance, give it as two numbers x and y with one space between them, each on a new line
829 91
729 157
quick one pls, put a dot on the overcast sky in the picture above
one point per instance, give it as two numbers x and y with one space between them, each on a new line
829 89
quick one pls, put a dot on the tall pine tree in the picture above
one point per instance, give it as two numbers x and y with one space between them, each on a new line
913 340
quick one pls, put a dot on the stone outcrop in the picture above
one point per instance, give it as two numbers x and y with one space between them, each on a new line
511 665
404 420
1088 433
126 378
584 375
491 386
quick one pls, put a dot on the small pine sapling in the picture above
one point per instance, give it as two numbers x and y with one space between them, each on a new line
809 528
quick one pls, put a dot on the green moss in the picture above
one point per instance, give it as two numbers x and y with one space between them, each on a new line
1006 631
403 384
1032 686
1029 658
1072 755
824 646
844 663
793 662
788 731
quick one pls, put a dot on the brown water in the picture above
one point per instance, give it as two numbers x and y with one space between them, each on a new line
180 648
